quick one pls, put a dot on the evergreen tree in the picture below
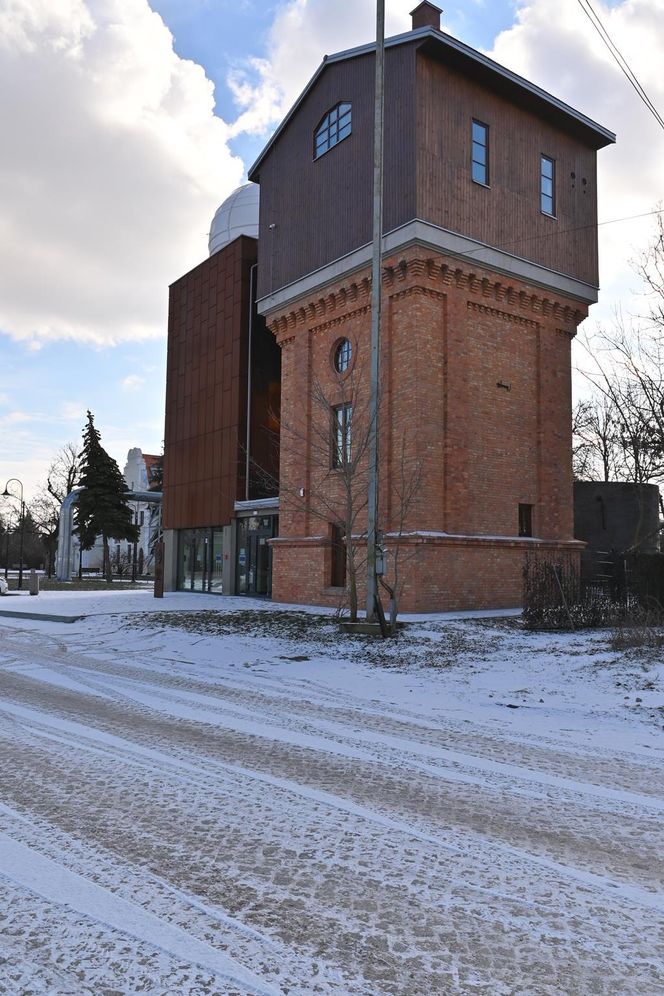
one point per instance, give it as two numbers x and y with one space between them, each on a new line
102 507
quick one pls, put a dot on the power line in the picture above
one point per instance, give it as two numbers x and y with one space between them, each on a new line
565 231
620 60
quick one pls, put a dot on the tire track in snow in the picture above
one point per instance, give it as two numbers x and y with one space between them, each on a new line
416 796
474 747
483 920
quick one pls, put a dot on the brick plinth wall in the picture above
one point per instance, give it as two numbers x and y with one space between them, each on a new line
439 573
475 404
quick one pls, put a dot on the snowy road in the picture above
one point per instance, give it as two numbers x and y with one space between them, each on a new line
194 816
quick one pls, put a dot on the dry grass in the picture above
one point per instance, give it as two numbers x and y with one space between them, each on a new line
636 637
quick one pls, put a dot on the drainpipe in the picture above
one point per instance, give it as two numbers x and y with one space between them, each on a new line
251 332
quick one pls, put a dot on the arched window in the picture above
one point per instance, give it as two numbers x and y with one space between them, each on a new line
335 126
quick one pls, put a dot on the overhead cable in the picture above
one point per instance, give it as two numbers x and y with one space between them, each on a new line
620 60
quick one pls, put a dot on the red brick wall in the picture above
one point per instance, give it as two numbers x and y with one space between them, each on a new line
438 574
450 337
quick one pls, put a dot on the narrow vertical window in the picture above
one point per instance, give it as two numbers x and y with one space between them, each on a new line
341 435
547 185
337 558
480 153
525 520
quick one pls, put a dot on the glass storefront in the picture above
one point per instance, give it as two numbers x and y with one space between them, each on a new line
200 560
254 554
201 557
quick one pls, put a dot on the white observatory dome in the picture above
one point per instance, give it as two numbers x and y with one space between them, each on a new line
238 215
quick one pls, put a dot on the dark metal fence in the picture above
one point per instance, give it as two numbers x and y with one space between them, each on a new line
624 577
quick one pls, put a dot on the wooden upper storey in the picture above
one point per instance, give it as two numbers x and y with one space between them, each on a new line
315 209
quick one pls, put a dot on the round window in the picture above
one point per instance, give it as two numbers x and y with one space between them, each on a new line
343 355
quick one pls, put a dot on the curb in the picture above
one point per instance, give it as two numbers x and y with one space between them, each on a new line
43 616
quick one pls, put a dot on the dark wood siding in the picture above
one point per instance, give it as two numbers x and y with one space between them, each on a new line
205 389
507 214
313 212
321 209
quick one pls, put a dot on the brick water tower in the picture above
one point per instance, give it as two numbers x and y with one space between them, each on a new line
490 264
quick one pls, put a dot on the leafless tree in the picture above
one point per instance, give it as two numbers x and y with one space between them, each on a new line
406 482
626 415
45 512
61 478
623 424
63 471
335 448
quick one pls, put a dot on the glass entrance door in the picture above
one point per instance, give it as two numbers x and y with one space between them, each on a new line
254 555
259 564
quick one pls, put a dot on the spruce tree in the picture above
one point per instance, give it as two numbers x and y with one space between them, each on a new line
102 507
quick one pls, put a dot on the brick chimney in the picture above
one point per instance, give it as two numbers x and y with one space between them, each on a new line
426 15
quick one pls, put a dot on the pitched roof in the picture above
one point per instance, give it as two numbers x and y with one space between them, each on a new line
458 55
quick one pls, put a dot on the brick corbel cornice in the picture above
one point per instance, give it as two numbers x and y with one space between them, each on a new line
323 312
418 289
505 316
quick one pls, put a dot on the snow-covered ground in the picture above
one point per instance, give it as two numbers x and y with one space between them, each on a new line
204 795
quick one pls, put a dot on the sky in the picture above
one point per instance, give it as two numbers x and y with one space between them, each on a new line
125 123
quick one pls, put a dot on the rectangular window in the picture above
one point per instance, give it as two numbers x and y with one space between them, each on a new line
341 434
337 557
525 520
547 185
480 153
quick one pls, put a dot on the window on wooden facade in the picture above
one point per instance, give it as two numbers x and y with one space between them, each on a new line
337 557
525 520
480 153
335 126
342 416
547 185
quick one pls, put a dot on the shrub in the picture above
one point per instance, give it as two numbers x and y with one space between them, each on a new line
555 599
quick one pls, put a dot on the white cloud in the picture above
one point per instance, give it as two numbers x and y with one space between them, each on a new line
555 46
261 102
112 166
20 418
132 382
72 411
302 32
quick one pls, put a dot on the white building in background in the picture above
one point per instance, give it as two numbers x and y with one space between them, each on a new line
139 474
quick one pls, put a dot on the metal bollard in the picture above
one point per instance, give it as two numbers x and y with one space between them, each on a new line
34 583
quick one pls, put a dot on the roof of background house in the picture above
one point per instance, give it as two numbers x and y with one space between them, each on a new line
150 460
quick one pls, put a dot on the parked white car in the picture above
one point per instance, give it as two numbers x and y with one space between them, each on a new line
4 587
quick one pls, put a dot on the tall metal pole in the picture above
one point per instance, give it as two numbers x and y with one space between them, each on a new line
372 510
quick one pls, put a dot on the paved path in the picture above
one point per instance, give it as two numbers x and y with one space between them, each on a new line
172 828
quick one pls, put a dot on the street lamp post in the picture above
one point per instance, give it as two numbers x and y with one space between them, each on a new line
7 553
7 494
